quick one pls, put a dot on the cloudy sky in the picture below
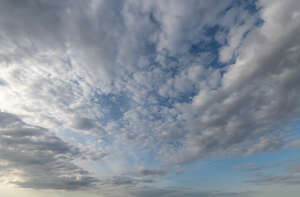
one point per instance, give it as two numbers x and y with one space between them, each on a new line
143 98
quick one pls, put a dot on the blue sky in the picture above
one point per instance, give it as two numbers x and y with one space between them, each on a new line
149 98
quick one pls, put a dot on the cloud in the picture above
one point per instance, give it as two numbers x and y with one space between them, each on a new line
174 192
252 167
259 175
284 179
151 172
236 103
294 144
167 81
251 100
127 181
33 157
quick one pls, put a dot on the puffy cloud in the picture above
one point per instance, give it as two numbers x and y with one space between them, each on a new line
257 93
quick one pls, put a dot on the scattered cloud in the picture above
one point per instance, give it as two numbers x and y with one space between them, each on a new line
158 83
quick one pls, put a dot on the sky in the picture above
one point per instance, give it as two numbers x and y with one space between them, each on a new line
143 98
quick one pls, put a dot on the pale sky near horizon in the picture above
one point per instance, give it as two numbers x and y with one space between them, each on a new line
142 98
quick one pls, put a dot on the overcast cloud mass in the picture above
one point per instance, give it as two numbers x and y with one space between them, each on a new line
135 98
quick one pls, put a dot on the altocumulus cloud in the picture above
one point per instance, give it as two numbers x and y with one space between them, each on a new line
167 81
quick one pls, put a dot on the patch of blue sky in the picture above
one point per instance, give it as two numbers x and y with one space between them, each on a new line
209 45
182 97
170 65
208 174
148 158
186 97
112 105
76 138
213 173
249 5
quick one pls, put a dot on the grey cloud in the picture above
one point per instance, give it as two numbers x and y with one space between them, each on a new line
122 181
67 183
84 123
126 181
31 33
148 172
294 144
294 167
33 157
3 83
87 124
252 167
189 192
149 191
260 176
269 180
151 172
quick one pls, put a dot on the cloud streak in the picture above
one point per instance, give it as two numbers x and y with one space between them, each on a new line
33 157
